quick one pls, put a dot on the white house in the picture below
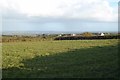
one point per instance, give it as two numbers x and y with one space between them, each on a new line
73 35
102 34
59 35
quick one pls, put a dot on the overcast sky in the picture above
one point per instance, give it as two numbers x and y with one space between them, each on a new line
59 15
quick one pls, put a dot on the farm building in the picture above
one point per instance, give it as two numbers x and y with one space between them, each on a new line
73 34
59 35
102 34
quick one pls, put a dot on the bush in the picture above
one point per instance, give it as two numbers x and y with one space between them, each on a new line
87 34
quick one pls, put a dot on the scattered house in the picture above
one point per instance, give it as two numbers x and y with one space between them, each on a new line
102 34
59 35
73 34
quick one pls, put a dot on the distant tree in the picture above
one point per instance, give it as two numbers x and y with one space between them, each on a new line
23 39
87 34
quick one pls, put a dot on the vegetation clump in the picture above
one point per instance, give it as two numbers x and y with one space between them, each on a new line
87 34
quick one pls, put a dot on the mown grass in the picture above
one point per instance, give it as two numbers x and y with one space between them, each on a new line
51 59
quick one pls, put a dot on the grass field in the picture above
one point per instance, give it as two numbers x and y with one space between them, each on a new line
52 59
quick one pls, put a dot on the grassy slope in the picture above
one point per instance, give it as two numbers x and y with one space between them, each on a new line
87 58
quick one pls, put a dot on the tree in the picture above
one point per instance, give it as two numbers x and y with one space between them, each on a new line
87 34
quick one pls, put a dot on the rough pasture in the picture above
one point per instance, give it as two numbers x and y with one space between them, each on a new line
69 58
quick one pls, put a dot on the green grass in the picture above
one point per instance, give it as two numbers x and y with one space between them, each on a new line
48 59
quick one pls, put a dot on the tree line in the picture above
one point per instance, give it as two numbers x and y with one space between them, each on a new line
45 37
87 37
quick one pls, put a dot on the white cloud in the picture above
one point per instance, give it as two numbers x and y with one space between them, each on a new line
81 9
116 1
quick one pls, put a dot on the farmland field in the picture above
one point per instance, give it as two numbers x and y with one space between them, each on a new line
52 59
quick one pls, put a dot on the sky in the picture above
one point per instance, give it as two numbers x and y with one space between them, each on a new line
59 15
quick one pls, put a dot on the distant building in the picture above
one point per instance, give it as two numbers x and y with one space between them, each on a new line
73 35
60 35
102 34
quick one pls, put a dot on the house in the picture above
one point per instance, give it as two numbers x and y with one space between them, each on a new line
73 34
102 34
59 35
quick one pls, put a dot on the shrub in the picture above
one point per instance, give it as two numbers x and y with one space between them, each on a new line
87 34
